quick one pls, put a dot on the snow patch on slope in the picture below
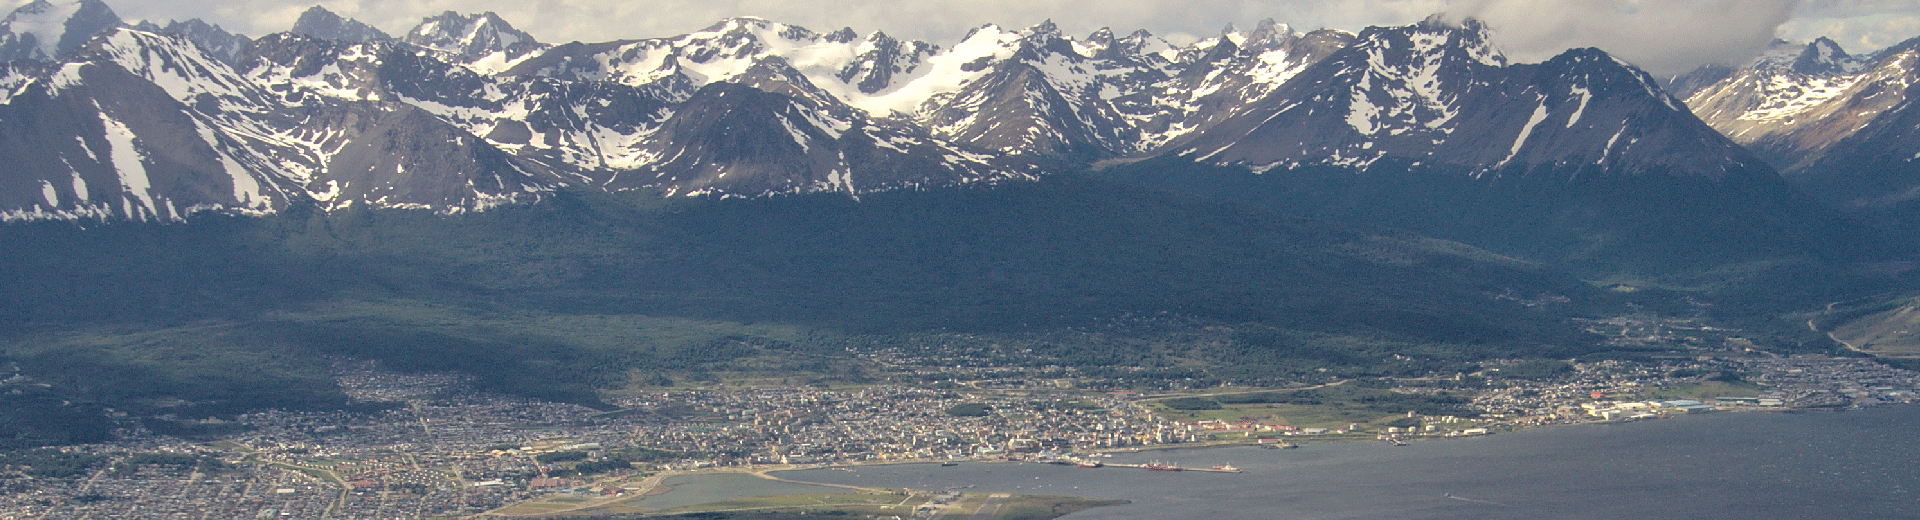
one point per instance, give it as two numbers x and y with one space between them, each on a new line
1585 96
943 73
128 161
1784 96
1539 114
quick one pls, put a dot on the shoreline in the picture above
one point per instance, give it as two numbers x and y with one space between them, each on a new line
1304 440
1321 480
1240 443
655 485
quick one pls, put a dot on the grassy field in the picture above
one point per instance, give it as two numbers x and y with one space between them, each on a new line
533 508
221 366
834 501
1888 333
1047 507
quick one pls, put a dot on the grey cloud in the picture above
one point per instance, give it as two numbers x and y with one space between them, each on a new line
1662 36
1859 25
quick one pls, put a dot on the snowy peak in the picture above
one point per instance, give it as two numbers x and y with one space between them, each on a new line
110 134
1045 28
1103 45
1438 95
1268 35
470 37
741 29
1434 38
880 60
467 111
775 75
734 140
49 31
218 42
1409 78
1428 128
867 73
1823 57
1839 126
318 22
1796 100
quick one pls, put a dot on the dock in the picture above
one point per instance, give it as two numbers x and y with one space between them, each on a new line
1167 467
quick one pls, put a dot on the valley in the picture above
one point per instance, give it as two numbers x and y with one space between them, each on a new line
331 272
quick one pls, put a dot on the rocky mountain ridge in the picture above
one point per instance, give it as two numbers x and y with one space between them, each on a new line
1582 160
465 112
1839 126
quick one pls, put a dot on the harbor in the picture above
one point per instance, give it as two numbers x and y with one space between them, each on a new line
1807 464
1162 466
1155 465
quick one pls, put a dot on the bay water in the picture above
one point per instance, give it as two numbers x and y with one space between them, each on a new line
1769 465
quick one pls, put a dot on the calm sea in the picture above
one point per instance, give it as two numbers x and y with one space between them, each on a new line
1861 464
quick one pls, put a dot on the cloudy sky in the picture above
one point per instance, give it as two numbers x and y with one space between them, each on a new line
1663 36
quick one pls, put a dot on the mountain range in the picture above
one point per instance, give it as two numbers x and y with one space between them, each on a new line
465 112
1365 194
1839 126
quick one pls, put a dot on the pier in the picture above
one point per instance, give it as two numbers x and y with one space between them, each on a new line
1166 467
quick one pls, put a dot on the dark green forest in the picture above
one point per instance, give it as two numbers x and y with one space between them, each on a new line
588 291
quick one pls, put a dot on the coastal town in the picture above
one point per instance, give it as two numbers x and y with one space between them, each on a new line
443 449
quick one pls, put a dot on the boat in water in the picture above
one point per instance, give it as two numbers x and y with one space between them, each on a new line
1161 466
1228 468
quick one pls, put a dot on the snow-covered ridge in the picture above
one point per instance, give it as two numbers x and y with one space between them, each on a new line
482 38
1797 99
48 30
45 21
465 112
1440 96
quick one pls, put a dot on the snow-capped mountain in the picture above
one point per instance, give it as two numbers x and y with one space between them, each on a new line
1840 127
1034 92
1439 95
48 31
320 23
1796 100
389 123
465 112
216 41
96 140
174 131
471 38
1429 127
1224 76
